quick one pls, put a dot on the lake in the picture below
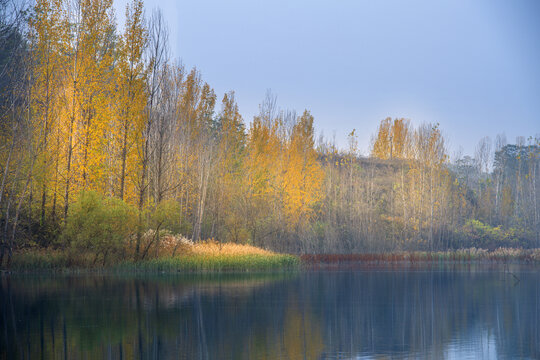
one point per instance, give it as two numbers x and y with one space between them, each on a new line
477 312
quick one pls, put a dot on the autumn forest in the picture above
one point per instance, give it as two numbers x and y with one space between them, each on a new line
105 139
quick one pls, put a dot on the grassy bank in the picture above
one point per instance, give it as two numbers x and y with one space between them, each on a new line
217 263
201 257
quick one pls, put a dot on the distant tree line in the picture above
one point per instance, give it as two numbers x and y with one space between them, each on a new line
99 117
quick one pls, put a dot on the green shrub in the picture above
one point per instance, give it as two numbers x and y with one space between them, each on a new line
100 225
168 215
483 235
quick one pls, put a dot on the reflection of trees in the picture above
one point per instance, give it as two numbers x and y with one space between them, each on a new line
302 335
297 336
96 316
316 315
422 312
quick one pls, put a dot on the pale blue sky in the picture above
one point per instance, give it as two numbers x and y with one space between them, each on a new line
472 66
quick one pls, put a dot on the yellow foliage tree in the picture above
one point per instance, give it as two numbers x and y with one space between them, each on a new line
393 139
263 172
131 99
303 174
47 36
88 86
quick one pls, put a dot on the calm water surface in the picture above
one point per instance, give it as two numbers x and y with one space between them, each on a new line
479 313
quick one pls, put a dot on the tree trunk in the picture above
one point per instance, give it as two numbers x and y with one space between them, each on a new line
205 174
70 149
124 155
68 170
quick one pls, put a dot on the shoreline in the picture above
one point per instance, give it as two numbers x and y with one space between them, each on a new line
54 261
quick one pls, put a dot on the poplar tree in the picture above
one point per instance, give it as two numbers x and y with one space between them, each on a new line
130 98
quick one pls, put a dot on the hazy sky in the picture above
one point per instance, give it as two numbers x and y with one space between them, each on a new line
472 66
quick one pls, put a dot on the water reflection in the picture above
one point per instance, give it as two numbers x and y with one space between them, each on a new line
311 315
